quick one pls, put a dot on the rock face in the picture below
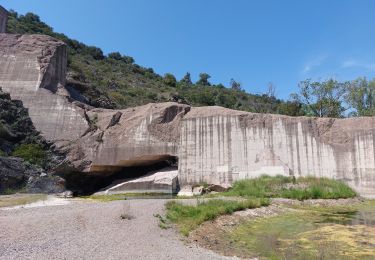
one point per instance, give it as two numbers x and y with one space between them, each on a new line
15 125
32 69
220 146
15 175
3 20
126 138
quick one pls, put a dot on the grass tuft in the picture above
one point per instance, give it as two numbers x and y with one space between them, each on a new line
189 217
289 187
20 199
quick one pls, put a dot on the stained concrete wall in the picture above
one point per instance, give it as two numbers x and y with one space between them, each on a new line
32 69
139 136
220 146
3 20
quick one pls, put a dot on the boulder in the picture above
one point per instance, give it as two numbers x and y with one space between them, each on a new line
45 183
13 174
218 187
198 190
186 191
17 175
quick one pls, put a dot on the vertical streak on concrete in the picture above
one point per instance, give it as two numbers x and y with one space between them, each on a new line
248 145
3 20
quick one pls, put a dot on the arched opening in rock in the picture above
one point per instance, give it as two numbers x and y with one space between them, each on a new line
103 177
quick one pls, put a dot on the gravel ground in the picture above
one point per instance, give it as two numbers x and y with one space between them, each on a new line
84 230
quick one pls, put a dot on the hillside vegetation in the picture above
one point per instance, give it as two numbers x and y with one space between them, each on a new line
116 81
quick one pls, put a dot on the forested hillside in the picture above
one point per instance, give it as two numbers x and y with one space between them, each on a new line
115 80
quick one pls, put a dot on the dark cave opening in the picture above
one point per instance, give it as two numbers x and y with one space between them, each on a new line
87 183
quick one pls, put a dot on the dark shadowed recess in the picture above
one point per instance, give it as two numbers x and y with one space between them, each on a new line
87 183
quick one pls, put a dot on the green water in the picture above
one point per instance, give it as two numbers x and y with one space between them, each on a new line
309 233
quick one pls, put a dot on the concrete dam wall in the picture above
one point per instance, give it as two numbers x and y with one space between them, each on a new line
32 69
213 144
219 145
3 20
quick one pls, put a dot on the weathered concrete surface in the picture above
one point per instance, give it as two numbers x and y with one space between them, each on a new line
220 145
3 19
131 137
100 141
162 181
32 69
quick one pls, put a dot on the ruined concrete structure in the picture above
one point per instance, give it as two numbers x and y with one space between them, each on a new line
3 20
213 144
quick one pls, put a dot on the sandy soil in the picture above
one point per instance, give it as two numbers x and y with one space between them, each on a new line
84 230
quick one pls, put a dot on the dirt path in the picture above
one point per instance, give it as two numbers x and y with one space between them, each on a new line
83 230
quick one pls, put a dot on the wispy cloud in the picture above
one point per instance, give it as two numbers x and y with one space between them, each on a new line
358 64
316 62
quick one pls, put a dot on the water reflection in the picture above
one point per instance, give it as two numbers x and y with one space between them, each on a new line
359 217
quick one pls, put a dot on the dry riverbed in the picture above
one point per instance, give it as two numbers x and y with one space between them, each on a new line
87 229
54 228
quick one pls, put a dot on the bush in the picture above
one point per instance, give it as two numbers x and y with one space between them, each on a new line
2 153
32 153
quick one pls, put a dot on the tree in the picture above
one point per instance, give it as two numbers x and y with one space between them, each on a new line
322 99
169 80
118 56
186 79
271 90
203 79
235 85
291 108
360 95
95 52
115 55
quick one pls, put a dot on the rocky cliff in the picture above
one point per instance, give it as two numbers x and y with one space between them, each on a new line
18 137
213 144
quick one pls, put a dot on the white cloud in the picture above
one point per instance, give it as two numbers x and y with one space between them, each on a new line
358 64
310 65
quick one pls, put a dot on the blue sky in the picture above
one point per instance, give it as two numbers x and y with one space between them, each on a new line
254 42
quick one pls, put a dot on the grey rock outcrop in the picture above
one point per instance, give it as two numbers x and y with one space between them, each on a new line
15 175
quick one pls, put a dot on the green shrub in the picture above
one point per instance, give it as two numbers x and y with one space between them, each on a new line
189 217
32 153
